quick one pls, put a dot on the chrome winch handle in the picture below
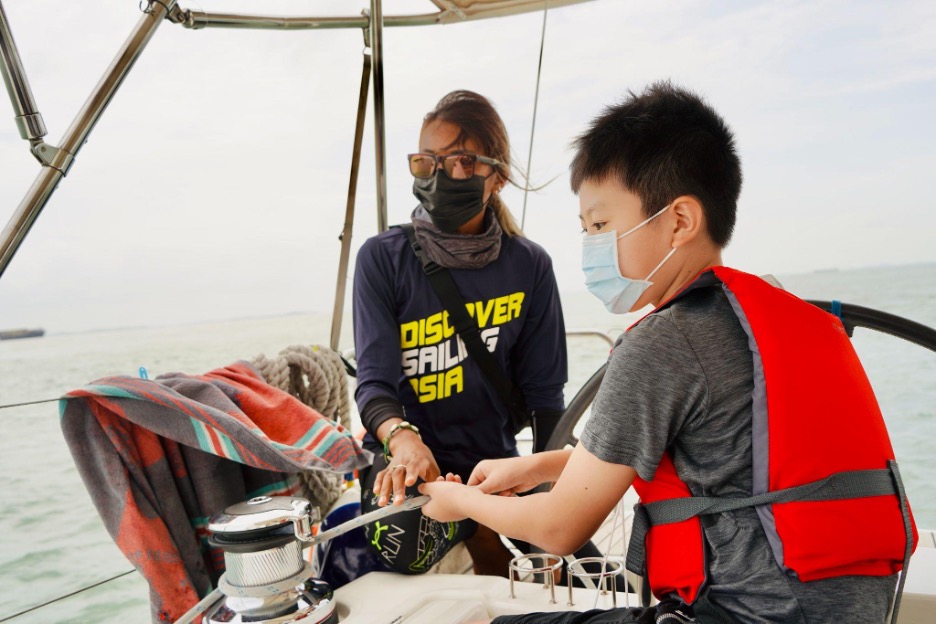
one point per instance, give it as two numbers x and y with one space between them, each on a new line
410 503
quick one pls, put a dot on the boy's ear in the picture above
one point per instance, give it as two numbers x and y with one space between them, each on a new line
689 221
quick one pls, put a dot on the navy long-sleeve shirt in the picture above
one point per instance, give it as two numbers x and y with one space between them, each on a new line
407 350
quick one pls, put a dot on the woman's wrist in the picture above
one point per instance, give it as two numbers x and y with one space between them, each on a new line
380 414
381 431
400 430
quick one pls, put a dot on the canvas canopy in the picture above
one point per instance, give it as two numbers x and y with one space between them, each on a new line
459 10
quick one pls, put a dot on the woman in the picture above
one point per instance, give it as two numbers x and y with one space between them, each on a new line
427 405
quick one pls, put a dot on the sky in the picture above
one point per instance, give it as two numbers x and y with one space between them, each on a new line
214 186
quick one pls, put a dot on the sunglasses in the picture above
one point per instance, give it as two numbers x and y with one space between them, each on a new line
455 166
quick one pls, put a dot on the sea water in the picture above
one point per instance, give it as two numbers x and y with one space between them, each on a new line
52 542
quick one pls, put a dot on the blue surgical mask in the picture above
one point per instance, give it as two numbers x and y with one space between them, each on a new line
603 274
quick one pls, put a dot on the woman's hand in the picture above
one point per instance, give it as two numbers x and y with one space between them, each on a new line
411 460
506 477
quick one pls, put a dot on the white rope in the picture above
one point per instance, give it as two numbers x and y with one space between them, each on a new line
315 375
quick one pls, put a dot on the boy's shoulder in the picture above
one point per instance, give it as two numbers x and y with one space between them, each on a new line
692 311
701 324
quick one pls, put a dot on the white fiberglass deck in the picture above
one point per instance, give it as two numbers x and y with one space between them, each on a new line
387 598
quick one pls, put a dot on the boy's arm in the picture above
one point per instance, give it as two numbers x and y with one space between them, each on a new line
513 475
559 521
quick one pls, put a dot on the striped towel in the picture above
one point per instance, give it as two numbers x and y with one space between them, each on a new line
160 457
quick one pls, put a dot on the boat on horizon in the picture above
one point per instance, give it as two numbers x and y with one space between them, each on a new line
16 334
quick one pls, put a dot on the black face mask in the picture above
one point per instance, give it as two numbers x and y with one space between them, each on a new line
450 203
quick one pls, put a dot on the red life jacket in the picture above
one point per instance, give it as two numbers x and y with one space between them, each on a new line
814 417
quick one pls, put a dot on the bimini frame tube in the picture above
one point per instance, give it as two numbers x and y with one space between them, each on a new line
58 164
448 13
197 19
338 311
28 120
380 147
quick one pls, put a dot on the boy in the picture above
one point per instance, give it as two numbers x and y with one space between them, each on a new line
699 395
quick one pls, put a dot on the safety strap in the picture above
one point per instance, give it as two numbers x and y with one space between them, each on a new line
908 532
468 330
841 485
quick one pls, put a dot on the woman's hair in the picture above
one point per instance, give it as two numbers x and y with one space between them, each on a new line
476 119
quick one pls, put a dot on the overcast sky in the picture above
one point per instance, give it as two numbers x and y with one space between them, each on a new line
214 186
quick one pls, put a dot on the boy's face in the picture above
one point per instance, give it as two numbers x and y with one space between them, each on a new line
605 206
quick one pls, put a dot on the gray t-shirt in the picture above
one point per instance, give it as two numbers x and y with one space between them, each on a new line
682 380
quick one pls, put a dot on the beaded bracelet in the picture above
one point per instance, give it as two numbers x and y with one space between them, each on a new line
386 441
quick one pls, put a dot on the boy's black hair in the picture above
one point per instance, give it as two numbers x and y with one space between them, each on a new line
661 144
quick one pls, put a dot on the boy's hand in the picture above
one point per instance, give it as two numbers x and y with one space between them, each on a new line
446 496
506 477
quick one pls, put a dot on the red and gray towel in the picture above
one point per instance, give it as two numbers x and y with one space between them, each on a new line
160 457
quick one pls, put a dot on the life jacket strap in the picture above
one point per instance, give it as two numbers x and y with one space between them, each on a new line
908 531
841 485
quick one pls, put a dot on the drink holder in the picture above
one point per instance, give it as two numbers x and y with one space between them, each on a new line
550 564
609 569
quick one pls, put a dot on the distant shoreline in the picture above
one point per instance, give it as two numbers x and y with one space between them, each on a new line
570 298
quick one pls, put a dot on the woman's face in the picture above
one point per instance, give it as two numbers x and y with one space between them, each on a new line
438 137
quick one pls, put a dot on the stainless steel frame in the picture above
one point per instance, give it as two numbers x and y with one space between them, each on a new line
28 120
59 160
338 311
449 12
380 147
197 19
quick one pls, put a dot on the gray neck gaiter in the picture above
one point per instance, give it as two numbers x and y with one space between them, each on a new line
458 251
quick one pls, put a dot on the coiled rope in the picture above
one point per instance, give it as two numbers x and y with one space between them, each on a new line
314 374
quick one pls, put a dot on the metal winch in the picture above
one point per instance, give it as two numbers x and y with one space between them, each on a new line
266 579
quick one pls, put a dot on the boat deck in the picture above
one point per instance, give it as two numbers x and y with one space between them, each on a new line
387 598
